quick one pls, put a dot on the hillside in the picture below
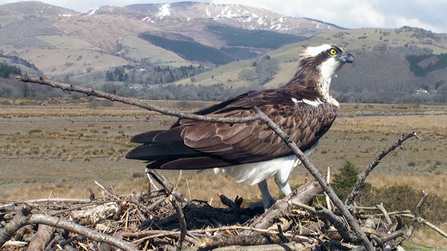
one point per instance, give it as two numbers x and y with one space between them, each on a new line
62 43
383 72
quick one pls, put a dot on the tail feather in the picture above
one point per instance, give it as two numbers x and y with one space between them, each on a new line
154 151
146 137
194 163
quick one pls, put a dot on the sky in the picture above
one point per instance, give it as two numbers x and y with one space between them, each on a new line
427 14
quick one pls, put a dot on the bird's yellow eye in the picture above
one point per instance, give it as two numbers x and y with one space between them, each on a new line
333 51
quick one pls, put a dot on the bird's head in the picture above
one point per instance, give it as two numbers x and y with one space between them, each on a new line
326 58
318 65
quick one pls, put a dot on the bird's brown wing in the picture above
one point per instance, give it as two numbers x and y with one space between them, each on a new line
254 141
193 144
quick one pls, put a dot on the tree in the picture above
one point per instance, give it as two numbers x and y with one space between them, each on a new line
442 93
344 181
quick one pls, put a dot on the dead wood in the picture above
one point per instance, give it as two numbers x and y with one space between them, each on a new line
42 238
303 194
338 222
24 217
222 240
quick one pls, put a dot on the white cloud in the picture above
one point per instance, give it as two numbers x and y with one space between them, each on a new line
414 22
366 16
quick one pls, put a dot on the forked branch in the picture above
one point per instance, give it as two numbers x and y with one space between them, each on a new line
359 182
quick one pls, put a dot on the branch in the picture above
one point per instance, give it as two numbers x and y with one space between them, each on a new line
337 221
417 218
320 178
135 102
12 205
428 224
376 162
304 194
24 217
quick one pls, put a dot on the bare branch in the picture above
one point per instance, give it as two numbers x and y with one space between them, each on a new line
135 102
428 224
376 162
24 217
385 213
417 218
337 221
320 178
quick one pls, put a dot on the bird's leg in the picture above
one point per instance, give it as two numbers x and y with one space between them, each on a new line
282 180
267 199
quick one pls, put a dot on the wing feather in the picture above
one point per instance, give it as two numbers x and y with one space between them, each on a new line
206 145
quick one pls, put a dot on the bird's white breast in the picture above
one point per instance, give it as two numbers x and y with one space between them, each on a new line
253 173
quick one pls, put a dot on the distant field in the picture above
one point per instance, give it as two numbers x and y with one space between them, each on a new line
60 150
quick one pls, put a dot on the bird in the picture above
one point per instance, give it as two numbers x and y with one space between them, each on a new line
251 152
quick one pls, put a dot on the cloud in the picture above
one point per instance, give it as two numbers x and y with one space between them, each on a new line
414 22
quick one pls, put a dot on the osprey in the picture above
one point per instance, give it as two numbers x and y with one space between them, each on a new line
251 152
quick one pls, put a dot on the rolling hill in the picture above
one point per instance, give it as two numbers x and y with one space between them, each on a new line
383 70
62 42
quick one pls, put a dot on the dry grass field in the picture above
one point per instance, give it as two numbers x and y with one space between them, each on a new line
58 149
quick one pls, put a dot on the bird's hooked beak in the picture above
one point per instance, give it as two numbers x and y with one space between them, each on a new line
346 58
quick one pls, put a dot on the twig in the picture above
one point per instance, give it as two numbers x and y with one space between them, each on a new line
328 180
392 236
107 190
259 115
320 178
292 246
365 216
134 102
304 206
376 162
12 205
181 218
337 222
24 217
417 218
385 213
428 224
161 233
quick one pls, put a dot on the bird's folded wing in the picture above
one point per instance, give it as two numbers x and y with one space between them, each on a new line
255 141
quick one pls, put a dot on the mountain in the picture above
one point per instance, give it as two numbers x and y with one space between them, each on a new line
62 42
235 15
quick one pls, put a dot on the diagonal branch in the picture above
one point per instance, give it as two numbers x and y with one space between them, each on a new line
135 102
376 162
320 178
